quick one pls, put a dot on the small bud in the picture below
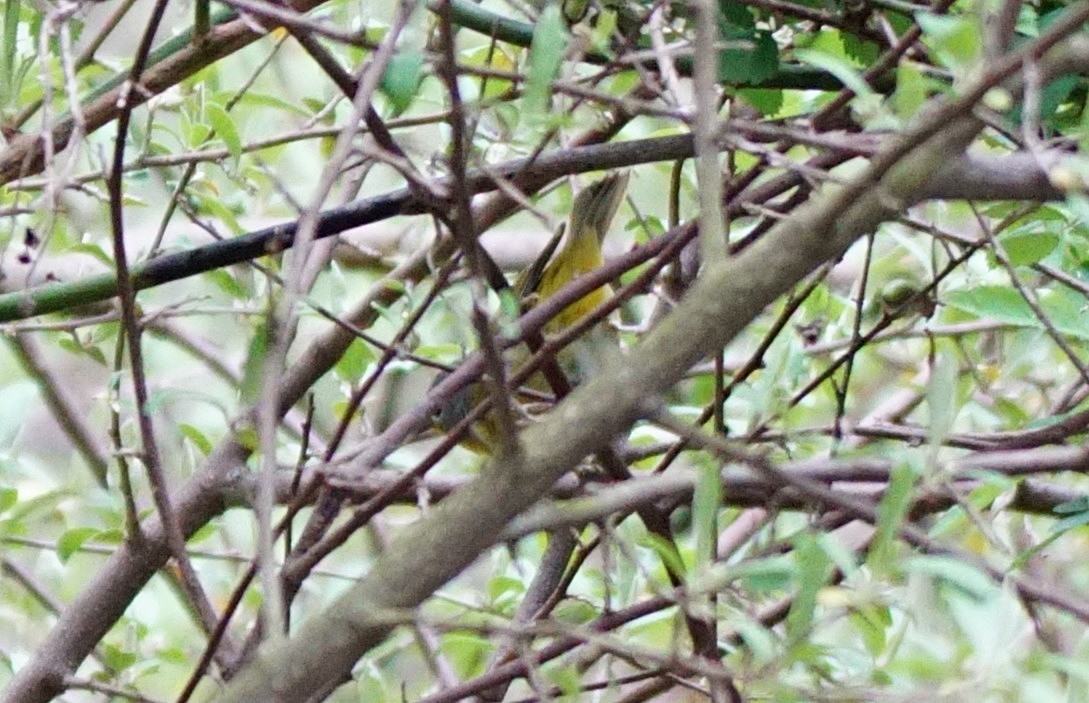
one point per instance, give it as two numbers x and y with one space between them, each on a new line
998 99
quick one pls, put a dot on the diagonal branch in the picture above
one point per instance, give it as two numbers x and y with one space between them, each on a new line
719 306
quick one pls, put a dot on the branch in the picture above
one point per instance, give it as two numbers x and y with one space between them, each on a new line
1018 176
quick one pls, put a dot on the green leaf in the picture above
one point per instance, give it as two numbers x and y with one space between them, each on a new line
760 642
92 250
8 498
838 66
401 79
956 40
843 557
810 576
467 651
493 57
196 133
1001 303
666 551
872 623
735 20
1064 309
11 36
1072 506
912 89
252 99
1024 248
550 38
765 575
861 51
890 516
954 572
228 282
253 372
117 658
354 362
767 100
38 505
504 591
78 348
575 611
757 61
226 129
1070 522
196 437
70 542
568 680
705 505
216 207
446 353
941 398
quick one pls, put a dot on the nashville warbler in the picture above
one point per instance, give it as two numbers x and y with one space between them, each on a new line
581 252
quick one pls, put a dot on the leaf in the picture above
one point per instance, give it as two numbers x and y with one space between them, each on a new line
965 577
225 128
494 57
196 437
735 20
354 362
568 680
1070 522
861 51
467 652
890 515
71 541
765 575
838 66
767 101
1072 506
216 207
575 611
760 643
941 398
811 574
504 592
550 37
116 658
92 250
1000 303
11 36
666 551
912 89
705 505
252 99
751 64
253 371
228 282
1024 248
839 553
8 498
872 624
401 80
79 348
1064 309
955 39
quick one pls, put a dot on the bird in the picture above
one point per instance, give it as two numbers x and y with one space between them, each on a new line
575 250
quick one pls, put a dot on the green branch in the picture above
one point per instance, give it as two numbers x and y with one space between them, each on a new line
471 16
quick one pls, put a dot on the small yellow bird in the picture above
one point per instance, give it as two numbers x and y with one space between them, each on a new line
591 215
